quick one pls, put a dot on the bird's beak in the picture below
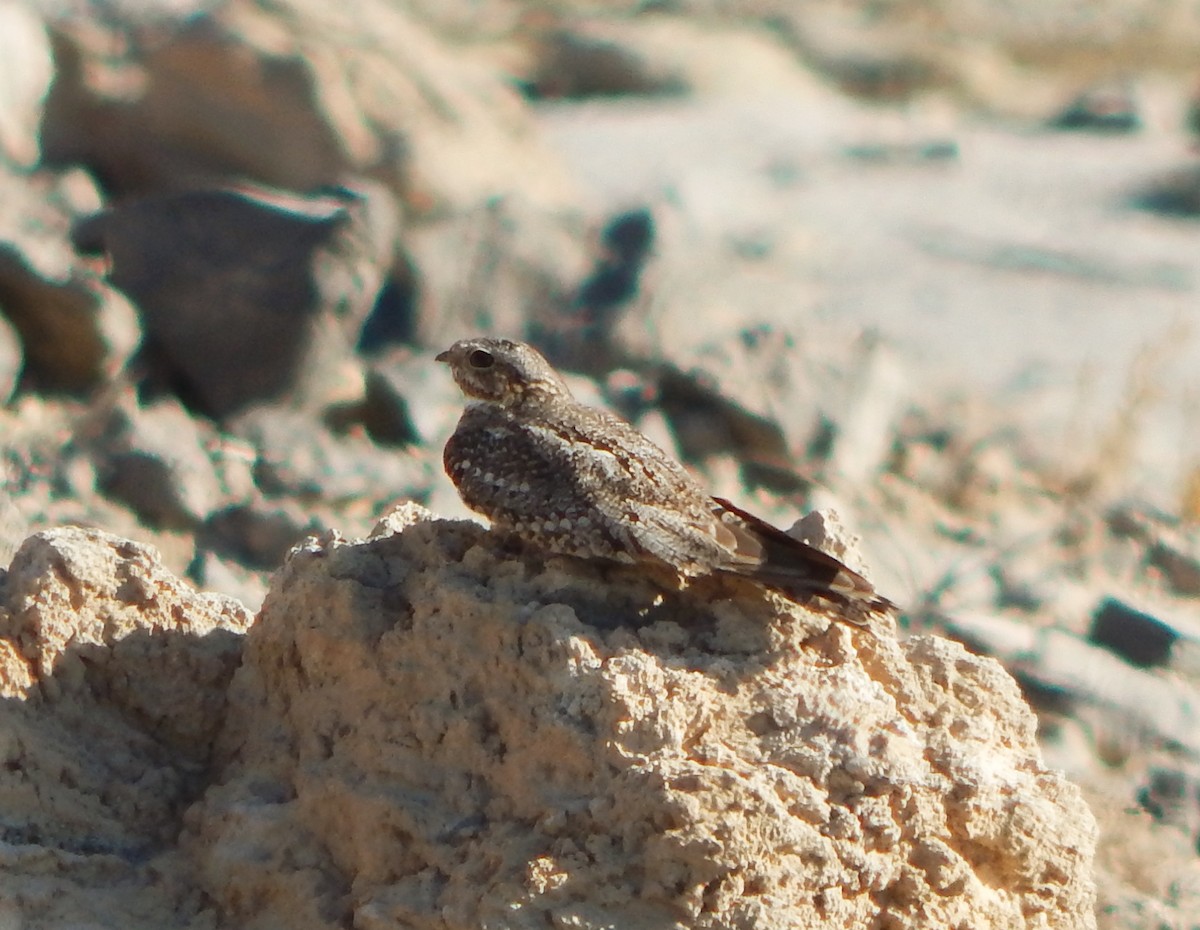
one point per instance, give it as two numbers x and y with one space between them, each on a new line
442 356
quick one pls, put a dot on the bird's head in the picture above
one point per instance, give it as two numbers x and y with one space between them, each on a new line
502 372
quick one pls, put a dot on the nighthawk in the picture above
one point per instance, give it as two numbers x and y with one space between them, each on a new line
574 480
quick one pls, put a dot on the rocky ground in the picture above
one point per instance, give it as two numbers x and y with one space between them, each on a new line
930 266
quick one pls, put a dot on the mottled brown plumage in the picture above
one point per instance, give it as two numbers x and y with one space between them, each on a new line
574 480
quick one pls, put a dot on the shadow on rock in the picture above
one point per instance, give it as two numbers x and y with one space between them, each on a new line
113 674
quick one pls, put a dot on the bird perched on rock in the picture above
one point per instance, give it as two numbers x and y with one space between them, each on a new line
579 481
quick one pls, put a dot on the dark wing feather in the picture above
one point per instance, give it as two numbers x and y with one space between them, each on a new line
780 561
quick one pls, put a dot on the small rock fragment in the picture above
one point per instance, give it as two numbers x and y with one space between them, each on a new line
1109 108
155 461
1141 638
257 535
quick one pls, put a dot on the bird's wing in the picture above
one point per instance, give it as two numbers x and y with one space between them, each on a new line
639 501
662 512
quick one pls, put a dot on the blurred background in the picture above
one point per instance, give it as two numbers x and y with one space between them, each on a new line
931 265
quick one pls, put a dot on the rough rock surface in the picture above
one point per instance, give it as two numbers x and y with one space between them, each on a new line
432 732
113 675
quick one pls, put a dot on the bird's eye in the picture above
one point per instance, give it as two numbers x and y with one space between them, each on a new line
481 359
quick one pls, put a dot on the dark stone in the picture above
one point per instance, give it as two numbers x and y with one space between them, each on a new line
1109 113
574 64
243 293
256 536
1138 637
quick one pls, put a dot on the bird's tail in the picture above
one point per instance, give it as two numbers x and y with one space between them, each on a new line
798 569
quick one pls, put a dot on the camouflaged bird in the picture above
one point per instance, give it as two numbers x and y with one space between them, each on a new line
578 481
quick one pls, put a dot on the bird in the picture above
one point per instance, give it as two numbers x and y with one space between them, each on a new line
570 479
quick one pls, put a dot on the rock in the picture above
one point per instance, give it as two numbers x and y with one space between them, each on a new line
990 634
661 55
248 295
506 268
1138 637
1175 192
75 331
114 676
393 319
1172 796
1147 875
706 423
1068 263
13 528
191 96
10 359
211 572
258 535
299 457
97 616
26 70
628 240
48 449
155 460
1169 548
435 724
880 58
917 152
824 530
1108 108
234 460
753 392
1180 566
212 102
595 59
